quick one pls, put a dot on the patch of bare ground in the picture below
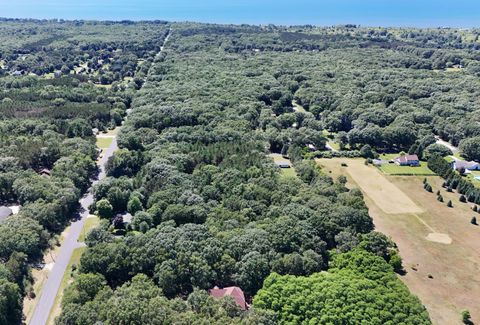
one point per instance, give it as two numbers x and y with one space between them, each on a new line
439 246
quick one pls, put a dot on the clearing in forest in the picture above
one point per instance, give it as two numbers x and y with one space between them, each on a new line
439 246
380 189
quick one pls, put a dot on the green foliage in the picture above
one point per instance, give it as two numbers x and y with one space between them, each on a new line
104 209
339 296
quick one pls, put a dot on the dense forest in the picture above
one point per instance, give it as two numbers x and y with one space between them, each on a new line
49 112
209 206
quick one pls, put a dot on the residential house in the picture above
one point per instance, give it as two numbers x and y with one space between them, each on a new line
408 160
465 166
235 292
45 172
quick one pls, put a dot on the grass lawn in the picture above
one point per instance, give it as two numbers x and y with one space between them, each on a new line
471 177
90 223
394 169
104 142
288 172
67 279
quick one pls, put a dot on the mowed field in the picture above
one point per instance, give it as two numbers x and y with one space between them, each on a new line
439 246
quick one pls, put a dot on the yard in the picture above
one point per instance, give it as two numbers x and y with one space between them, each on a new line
438 244
91 222
286 172
103 142
394 169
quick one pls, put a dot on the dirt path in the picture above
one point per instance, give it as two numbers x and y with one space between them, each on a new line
439 247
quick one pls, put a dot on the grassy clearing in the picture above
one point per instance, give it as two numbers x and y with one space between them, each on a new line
90 223
298 108
471 178
394 169
67 279
288 172
104 142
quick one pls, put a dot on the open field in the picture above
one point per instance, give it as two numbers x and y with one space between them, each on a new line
278 159
394 169
439 241
379 189
67 279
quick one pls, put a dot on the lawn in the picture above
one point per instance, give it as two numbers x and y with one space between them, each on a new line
104 142
394 169
67 279
90 223
471 177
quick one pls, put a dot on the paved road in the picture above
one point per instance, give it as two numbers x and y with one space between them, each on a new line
50 289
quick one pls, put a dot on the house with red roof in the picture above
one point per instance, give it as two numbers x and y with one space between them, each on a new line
235 292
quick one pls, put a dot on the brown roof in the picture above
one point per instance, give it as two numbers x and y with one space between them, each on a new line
407 158
235 292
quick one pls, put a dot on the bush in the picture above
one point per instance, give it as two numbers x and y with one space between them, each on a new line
466 317
473 221
463 199
475 208
440 198
450 204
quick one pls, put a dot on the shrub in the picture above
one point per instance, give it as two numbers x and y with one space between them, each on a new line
440 198
475 208
463 199
466 317
450 204
473 221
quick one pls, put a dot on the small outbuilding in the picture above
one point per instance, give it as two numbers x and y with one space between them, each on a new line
235 292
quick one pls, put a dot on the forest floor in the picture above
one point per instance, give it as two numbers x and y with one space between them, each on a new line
439 245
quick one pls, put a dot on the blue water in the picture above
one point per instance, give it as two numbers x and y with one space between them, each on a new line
422 13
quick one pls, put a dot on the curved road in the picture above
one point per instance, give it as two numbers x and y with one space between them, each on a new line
50 289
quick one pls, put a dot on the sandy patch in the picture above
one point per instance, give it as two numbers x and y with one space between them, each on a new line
439 238
49 266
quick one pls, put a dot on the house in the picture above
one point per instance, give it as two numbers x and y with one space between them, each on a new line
407 160
235 292
465 166
5 212
45 172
